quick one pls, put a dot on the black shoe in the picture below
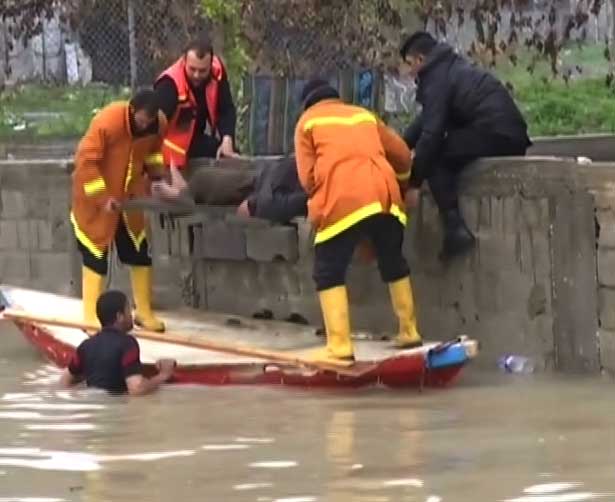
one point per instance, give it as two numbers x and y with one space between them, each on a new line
458 239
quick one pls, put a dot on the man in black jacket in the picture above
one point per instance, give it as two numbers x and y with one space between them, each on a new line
466 114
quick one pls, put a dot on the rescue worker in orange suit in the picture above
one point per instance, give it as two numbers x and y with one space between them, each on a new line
353 168
195 95
115 159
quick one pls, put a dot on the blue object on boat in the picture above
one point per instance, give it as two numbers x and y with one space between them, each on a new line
452 355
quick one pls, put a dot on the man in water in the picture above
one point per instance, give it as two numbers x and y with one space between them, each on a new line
110 360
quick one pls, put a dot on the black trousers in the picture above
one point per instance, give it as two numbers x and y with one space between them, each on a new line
333 256
126 251
461 147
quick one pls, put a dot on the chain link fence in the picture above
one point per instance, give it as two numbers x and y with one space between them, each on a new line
116 42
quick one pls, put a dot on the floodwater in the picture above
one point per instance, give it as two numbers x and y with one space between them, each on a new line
492 437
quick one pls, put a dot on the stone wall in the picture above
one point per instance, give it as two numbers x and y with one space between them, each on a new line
36 248
598 147
541 281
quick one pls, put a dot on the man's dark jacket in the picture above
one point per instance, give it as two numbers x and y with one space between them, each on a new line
455 94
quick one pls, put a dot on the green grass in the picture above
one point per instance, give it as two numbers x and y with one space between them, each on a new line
35 111
585 106
551 107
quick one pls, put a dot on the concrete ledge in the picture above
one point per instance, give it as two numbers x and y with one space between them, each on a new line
598 147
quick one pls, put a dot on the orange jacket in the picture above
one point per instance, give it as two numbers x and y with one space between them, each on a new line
351 165
179 136
109 162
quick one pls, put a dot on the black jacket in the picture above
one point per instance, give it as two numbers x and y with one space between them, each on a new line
277 195
456 94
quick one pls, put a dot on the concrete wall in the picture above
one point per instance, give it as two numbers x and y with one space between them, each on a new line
598 147
541 281
36 248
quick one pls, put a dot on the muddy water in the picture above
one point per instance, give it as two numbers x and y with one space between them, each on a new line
491 438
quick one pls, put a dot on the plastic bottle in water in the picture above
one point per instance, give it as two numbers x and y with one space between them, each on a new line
516 364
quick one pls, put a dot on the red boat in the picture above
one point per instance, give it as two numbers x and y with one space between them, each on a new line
433 365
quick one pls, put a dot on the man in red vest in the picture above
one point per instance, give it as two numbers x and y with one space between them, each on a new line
195 95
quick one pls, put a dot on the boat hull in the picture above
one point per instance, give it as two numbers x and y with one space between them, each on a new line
398 372
434 365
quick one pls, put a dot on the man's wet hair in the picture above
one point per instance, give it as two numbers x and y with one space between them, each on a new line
109 305
419 43
201 45
145 99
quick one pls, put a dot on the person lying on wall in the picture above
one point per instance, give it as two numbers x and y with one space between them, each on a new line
272 192
110 360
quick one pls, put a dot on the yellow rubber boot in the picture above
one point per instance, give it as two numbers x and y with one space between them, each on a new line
91 289
141 280
334 306
403 305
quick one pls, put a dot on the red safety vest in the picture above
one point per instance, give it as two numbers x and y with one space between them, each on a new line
179 136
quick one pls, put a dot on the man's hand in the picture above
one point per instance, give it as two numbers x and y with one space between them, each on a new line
166 367
111 205
164 191
244 210
226 148
413 197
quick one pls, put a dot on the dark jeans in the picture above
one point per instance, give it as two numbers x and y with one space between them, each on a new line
333 256
461 147
126 252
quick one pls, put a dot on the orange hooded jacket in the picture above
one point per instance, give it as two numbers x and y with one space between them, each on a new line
351 165
109 162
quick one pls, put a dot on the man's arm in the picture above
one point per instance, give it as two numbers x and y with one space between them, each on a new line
413 132
89 155
136 383
67 379
166 92
306 158
154 161
228 114
397 153
73 373
226 121
434 119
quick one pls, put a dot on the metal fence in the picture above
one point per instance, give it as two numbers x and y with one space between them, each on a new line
117 42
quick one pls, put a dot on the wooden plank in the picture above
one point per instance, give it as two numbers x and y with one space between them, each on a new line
195 340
